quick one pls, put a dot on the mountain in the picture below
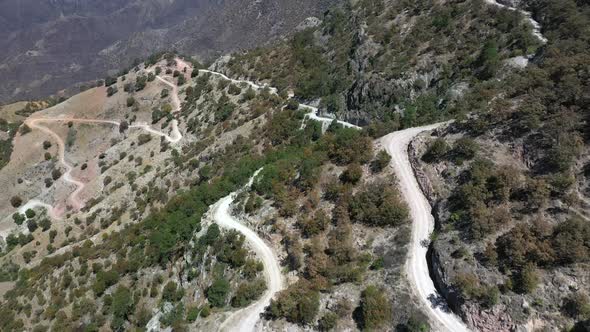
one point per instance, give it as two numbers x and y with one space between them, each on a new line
388 165
52 45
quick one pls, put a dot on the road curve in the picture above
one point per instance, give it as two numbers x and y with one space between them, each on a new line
245 320
396 144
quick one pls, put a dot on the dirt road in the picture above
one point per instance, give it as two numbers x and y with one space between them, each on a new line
435 307
536 26
245 320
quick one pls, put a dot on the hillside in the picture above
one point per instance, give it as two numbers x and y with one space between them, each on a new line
509 189
389 166
52 45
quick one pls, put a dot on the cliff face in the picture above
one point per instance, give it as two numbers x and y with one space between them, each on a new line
51 45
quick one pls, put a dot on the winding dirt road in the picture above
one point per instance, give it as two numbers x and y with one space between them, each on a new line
245 320
396 144
74 199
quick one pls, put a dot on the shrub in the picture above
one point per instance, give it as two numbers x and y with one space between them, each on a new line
30 213
247 292
110 81
378 205
436 151
172 293
143 139
577 306
130 101
45 224
112 90
46 145
31 225
352 174
121 307
417 324
123 126
374 310
217 292
234 90
328 321
16 201
18 218
315 225
164 93
527 279
381 161
464 149
55 174
292 104
298 304
192 313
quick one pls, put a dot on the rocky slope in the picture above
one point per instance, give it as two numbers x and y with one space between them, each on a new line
508 186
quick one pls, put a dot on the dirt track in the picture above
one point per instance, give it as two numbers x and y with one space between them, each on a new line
435 306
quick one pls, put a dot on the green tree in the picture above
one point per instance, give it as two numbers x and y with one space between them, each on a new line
121 307
217 292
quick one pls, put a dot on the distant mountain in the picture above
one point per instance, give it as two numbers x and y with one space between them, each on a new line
51 45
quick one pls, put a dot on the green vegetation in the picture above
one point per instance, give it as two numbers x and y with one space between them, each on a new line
298 304
375 309
247 292
217 292
379 204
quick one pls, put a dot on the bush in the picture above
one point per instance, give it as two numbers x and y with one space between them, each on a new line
31 225
55 174
112 90
298 304
328 321
16 201
110 81
352 174
217 292
247 292
527 279
577 306
164 93
123 126
130 101
121 307
378 204
46 145
192 313
143 139
436 151
292 104
375 309
315 225
416 324
171 293
381 161
464 149
30 213
18 218
234 90
45 224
